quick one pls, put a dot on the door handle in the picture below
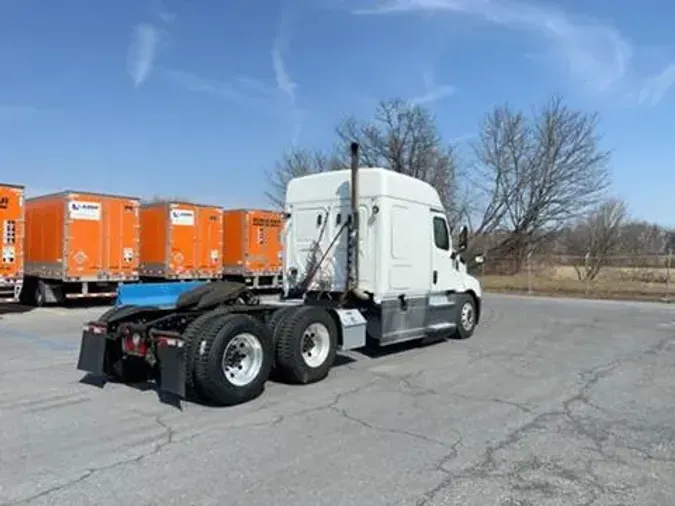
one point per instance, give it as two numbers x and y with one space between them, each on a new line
435 277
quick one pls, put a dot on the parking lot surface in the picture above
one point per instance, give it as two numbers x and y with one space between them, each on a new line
551 402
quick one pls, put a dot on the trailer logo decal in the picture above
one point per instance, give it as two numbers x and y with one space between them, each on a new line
80 210
184 217
266 222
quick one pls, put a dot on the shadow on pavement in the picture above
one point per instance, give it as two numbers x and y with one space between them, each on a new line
16 308
173 400
375 352
8 308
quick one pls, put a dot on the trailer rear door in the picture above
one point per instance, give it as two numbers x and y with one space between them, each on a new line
120 218
83 240
210 233
183 223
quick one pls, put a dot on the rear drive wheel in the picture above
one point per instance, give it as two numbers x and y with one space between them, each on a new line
274 324
234 359
307 345
193 336
466 317
277 319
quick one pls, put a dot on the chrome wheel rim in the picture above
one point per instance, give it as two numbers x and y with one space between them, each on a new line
467 316
315 344
242 359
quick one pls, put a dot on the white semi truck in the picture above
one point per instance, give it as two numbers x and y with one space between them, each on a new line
368 261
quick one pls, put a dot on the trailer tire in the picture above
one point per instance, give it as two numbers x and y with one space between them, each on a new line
194 331
466 317
221 341
307 345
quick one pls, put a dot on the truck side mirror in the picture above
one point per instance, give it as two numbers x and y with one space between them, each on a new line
463 241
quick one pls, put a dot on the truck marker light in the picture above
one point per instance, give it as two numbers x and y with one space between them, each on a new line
95 329
165 342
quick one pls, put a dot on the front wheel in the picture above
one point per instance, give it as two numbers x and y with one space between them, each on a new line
466 317
234 359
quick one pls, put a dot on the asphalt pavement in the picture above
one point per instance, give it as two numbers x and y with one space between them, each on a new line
551 402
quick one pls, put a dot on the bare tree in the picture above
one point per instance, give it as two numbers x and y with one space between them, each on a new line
156 199
405 138
596 237
297 163
640 239
400 137
535 174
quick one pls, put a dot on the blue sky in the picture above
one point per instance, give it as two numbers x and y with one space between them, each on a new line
197 98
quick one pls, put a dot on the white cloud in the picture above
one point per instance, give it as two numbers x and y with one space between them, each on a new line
595 53
248 91
143 52
156 8
284 81
433 92
657 86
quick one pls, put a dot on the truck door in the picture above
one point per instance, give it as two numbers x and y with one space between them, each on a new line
444 276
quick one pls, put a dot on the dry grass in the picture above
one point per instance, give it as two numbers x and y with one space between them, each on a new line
612 283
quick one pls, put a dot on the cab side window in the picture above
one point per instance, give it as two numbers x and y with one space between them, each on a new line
441 235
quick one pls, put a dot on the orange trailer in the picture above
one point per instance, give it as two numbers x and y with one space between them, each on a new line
252 247
181 240
80 245
12 223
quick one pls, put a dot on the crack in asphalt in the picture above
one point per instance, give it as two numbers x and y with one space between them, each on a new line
169 438
488 465
387 430
166 440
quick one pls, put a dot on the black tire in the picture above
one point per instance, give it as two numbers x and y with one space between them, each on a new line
289 347
465 326
193 336
277 319
274 324
216 338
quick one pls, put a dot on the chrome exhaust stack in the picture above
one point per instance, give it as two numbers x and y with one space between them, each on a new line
353 242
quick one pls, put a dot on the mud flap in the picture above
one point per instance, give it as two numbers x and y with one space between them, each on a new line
93 353
171 356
